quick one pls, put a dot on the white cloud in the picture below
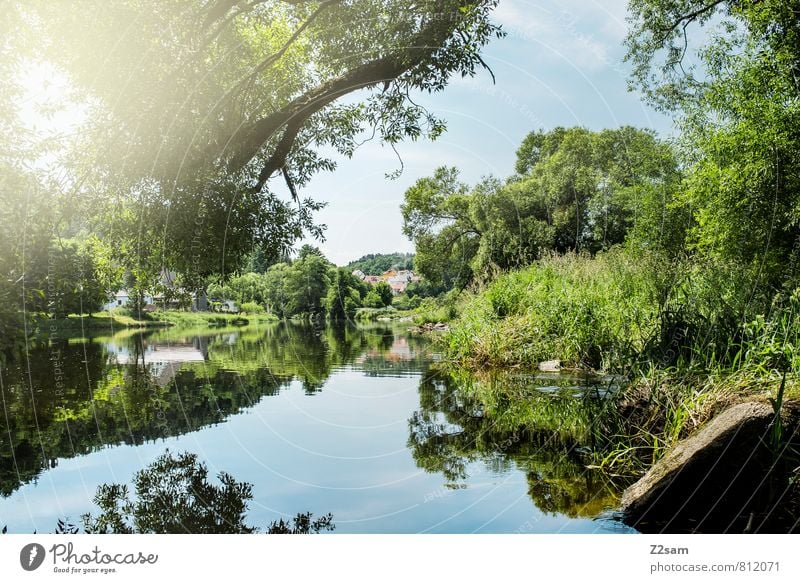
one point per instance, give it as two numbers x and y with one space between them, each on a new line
585 34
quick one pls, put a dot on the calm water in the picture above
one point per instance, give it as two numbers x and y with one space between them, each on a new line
351 421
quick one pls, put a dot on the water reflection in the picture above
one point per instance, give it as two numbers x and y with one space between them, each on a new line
544 426
72 398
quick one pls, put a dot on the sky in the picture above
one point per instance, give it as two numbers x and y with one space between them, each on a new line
561 64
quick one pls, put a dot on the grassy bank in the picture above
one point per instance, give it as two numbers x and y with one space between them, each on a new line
121 319
105 321
690 341
194 319
589 313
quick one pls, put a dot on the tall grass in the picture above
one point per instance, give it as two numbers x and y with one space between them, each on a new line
691 338
589 313
623 313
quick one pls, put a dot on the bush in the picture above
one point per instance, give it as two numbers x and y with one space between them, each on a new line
373 300
595 313
252 308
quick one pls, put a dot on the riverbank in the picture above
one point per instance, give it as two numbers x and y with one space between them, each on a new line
179 318
103 321
683 362
122 319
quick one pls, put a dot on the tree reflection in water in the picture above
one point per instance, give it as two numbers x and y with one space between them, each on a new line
174 496
549 432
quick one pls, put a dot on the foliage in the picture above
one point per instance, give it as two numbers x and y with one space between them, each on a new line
406 302
187 119
443 308
595 313
252 308
737 100
173 496
302 524
345 295
577 190
377 263
384 292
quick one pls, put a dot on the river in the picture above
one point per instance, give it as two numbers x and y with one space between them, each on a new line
356 421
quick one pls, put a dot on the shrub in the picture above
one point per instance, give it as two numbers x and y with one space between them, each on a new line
252 308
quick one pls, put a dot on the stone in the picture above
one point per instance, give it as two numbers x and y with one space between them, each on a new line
550 366
709 481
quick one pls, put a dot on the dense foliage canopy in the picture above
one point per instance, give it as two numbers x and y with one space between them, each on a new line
377 263
575 190
181 112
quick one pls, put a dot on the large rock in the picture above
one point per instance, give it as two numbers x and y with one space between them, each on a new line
713 481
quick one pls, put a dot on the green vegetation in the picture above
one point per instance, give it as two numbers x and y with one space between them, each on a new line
539 432
107 321
174 496
673 264
183 128
190 319
592 313
574 190
377 263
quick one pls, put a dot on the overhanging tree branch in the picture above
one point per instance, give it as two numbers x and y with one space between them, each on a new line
290 118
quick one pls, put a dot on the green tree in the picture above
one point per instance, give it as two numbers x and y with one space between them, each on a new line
344 296
196 106
275 289
436 218
306 284
377 263
736 98
578 191
384 292
174 496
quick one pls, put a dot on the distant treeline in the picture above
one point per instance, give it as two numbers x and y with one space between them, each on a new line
377 263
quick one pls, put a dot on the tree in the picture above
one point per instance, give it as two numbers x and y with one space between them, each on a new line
377 263
344 296
436 218
174 496
578 191
384 292
737 101
306 286
195 106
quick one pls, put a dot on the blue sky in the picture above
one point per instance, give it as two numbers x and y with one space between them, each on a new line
561 64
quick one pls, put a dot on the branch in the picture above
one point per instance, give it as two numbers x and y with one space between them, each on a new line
273 58
477 56
299 110
290 184
690 17
219 9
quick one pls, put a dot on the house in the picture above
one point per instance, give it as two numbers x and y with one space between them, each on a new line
229 306
166 294
123 298
400 280
397 280
117 300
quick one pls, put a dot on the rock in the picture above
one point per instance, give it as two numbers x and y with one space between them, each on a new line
709 481
430 327
550 366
